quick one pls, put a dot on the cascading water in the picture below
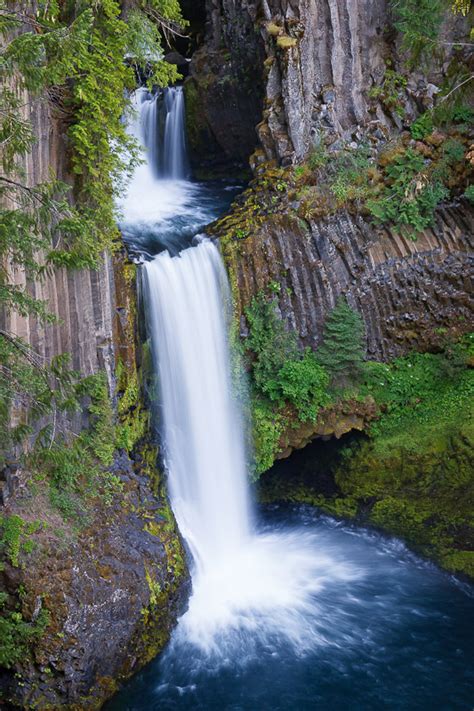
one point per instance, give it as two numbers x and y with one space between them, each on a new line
239 577
202 432
160 127
162 208
296 613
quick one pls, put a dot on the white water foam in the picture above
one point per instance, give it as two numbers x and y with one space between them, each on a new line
242 581
247 586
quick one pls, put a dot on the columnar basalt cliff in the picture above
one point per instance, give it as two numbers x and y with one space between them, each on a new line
302 72
403 289
83 301
97 591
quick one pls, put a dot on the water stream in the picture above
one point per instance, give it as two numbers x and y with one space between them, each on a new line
289 609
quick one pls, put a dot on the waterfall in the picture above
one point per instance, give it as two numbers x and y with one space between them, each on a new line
174 150
186 299
159 124
243 580
248 585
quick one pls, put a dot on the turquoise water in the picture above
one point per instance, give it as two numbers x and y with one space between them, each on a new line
397 634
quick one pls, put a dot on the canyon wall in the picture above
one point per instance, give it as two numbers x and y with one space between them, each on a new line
405 290
82 300
297 73
108 575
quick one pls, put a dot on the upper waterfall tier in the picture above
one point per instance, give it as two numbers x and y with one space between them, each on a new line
160 127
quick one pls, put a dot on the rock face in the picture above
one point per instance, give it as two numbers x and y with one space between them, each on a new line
112 585
405 290
322 56
224 92
307 72
83 300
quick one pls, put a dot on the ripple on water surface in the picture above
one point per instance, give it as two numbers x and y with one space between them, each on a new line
316 615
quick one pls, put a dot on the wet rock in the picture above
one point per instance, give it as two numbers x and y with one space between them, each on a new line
112 591
405 290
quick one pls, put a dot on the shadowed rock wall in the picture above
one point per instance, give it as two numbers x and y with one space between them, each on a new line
83 300
303 71
405 290
224 92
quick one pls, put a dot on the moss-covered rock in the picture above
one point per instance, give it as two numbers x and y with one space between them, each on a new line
420 488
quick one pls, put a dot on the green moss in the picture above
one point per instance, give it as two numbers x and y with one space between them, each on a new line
414 475
16 537
18 635
268 426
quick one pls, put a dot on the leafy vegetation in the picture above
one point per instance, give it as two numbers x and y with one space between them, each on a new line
391 91
15 537
409 198
412 475
421 389
418 22
72 55
282 372
289 385
17 635
76 466
342 351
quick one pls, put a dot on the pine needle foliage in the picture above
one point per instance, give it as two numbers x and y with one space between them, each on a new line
342 351
83 56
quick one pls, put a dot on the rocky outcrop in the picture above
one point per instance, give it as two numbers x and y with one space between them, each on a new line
224 92
112 585
307 72
419 488
405 290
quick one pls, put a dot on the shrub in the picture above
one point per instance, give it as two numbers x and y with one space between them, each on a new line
422 127
303 383
282 372
17 634
409 199
342 350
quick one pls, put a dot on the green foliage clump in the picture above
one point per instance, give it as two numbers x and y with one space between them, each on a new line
304 384
15 537
346 174
421 389
268 340
318 157
391 91
469 193
281 372
410 197
422 127
76 467
17 635
419 22
268 425
350 179
342 350
30 389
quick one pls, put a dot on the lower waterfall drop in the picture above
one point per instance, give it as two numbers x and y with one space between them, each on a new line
290 610
242 580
